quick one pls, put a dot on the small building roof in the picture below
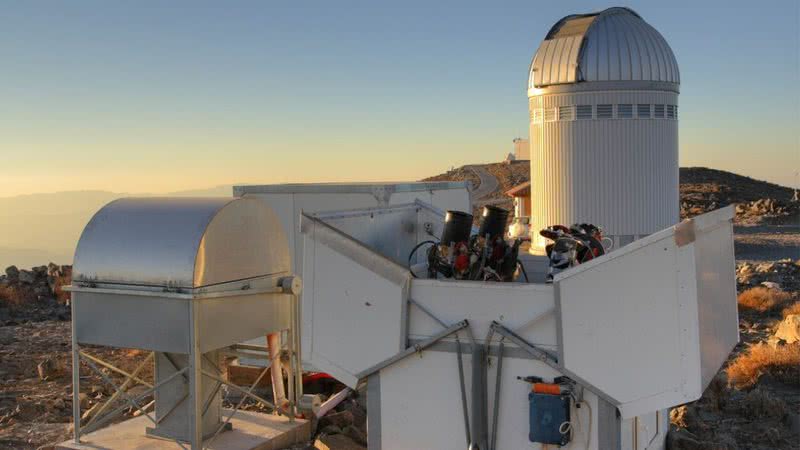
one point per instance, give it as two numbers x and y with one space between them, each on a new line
520 190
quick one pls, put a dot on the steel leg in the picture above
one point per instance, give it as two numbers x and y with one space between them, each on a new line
195 383
76 381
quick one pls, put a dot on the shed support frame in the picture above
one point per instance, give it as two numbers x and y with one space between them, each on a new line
192 373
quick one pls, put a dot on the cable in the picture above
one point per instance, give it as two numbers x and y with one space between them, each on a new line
522 268
411 255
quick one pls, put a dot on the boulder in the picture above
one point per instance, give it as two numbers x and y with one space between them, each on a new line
789 329
12 274
26 277
53 270
39 271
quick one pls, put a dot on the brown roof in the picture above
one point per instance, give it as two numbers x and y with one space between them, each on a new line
520 190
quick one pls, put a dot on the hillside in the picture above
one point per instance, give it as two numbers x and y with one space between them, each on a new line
701 190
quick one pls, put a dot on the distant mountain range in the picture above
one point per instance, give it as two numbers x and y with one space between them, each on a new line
39 228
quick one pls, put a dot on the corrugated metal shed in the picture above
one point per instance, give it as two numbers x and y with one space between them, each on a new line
612 45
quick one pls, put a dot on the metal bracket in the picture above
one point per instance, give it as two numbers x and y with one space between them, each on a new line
414 349
540 354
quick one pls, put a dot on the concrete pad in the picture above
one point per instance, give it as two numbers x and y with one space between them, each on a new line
251 431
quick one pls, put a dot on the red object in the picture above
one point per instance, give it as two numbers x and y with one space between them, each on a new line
462 262
314 376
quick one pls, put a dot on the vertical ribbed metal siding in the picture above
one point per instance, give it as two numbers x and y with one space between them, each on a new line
621 174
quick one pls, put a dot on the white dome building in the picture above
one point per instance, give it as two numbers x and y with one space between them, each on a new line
603 92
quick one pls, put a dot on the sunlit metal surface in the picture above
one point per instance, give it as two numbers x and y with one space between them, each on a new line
181 242
615 44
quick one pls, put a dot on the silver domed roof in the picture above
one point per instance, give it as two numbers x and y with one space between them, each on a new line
612 45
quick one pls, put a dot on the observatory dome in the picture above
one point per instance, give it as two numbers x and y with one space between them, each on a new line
603 97
615 44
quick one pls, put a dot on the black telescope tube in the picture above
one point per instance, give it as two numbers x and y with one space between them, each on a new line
457 227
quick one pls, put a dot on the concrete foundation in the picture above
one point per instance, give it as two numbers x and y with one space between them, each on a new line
251 431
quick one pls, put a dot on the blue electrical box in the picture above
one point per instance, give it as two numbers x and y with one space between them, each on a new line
548 413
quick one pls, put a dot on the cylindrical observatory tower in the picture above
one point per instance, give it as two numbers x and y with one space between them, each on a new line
603 91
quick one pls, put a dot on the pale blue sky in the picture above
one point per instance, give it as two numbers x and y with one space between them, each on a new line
158 96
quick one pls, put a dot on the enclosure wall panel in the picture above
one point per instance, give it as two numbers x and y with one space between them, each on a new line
434 377
526 308
604 327
236 319
128 321
678 286
716 285
352 316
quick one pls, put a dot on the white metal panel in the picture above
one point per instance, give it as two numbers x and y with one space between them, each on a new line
445 199
429 383
289 201
352 318
622 336
528 309
646 429
716 287
645 303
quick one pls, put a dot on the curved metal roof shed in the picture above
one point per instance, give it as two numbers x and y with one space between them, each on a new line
184 278
181 242
603 95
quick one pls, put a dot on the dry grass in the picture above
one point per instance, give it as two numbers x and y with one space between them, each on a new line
61 295
762 299
782 362
793 309
15 295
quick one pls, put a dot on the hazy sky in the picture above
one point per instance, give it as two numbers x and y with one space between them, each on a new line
158 96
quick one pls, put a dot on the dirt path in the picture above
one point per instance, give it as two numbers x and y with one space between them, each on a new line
488 184
767 242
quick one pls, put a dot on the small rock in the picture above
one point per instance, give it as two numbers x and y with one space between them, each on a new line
26 277
336 442
339 419
46 369
789 329
331 430
771 285
39 271
12 274
775 342
682 439
355 434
